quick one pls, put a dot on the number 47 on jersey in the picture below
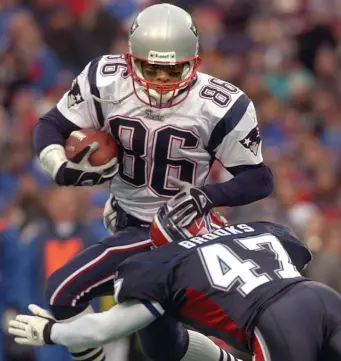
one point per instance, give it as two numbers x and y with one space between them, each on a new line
225 268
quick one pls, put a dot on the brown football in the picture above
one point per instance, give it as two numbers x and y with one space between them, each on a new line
79 139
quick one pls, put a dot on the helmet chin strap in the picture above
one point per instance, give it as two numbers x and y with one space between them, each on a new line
115 102
119 101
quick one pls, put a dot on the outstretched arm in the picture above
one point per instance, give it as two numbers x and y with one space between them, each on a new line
100 328
91 330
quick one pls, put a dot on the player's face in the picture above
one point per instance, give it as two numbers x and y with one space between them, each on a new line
162 74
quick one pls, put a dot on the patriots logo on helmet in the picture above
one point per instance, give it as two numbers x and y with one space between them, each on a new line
252 141
74 95
194 29
134 26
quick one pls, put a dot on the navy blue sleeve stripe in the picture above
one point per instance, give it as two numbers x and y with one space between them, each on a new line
228 122
52 128
242 168
92 78
151 308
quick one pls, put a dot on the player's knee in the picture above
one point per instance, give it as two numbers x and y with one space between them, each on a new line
56 294
59 300
51 286
164 340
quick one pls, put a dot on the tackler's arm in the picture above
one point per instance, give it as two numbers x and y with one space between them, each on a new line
91 330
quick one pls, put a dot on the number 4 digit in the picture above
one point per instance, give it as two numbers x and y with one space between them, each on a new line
225 268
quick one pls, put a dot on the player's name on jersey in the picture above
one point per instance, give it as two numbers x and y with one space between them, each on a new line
225 231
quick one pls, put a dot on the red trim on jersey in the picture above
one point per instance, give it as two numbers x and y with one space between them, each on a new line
97 283
204 310
257 350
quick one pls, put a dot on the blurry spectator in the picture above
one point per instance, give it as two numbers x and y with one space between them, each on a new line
4 129
23 113
63 36
50 246
326 192
326 267
94 214
95 26
16 161
122 10
11 300
327 67
12 76
16 169
39 61
208 20
317 33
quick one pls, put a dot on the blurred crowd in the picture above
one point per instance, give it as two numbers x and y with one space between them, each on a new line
285 55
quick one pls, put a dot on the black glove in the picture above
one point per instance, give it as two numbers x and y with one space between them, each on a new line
79 172
187 205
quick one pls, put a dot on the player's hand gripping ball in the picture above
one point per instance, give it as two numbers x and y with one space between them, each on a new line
92 159
80 139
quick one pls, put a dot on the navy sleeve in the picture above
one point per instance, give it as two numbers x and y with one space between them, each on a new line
250 184
11 280
52 128
298 252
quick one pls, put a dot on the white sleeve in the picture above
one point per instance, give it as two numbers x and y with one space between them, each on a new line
239 142
77 105
97 329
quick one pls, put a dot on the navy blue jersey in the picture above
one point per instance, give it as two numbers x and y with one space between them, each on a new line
220 282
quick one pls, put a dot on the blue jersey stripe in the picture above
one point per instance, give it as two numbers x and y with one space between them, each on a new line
228 122
92 78
151 308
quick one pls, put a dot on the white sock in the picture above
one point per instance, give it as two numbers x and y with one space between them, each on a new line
118 350
201 348
83 354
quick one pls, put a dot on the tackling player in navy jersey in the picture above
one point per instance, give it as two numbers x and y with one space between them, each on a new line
171 122
241 283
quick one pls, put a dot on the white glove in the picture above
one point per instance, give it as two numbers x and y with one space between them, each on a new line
33 330
78 171
110 214
188 204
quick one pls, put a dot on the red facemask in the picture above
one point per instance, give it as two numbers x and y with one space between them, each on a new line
170 93
164 231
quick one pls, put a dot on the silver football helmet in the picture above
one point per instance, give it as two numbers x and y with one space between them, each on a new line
163 34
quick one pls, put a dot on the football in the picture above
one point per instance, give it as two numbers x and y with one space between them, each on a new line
79 139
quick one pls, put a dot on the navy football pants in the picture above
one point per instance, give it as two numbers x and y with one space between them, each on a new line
90 274
303 325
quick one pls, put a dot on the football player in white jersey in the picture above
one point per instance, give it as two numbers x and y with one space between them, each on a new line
171 123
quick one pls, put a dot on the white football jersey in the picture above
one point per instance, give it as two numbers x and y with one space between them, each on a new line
216 121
